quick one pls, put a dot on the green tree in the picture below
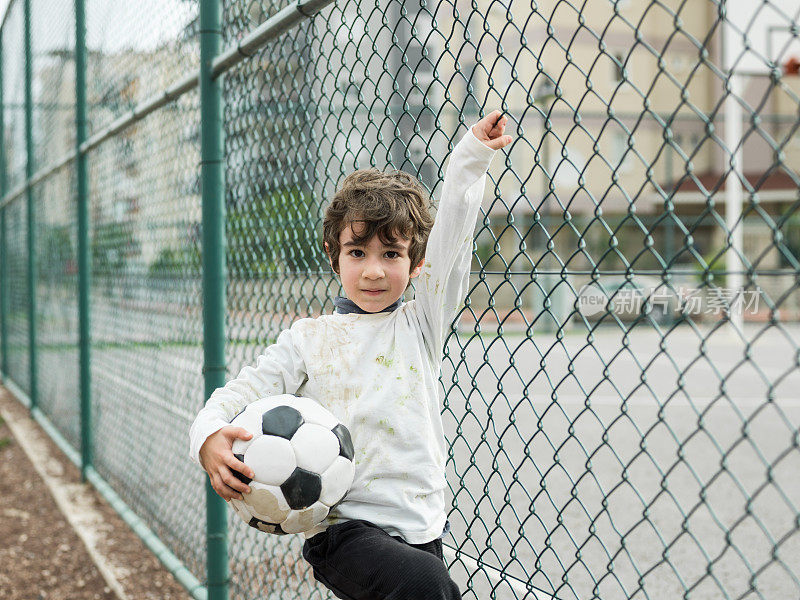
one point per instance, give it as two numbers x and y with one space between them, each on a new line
279 233
172 262
58 258
112 245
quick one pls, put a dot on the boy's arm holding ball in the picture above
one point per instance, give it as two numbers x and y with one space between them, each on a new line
279 370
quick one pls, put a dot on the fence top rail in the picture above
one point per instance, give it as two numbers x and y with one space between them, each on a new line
276 25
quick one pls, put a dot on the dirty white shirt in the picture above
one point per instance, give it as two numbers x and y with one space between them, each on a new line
378 373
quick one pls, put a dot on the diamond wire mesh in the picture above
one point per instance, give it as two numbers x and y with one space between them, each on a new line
146 295
627 453
14 95
16 217
547 488
135 50
52 47
146 287
275 266
17 320
57 307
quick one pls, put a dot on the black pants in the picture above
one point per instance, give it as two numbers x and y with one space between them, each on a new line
357 560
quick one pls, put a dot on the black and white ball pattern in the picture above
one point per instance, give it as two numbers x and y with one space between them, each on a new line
302 460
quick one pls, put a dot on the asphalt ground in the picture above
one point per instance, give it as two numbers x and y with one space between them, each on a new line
639 465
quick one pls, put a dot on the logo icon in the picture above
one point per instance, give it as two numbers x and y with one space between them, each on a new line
591 300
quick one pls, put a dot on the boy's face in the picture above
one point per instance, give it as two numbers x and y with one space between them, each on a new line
373 274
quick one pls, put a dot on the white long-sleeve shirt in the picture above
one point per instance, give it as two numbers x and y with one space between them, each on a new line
378 373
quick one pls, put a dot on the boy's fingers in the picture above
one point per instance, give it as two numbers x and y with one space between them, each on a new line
487 123
498 143
492 125
235 463
499 127
242 433
237 433
226 493
221 489
227 485
234 483
229 495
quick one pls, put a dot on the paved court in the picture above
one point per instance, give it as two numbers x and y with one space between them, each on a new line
623 467
684 455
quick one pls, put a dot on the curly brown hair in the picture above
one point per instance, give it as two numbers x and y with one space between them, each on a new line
389 203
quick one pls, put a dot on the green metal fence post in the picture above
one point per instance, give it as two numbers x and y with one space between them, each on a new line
84 263
213 198
3 247
32 271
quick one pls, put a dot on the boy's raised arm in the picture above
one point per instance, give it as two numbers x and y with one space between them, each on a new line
443 280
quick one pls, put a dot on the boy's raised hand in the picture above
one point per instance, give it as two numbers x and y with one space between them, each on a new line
490 129
216 456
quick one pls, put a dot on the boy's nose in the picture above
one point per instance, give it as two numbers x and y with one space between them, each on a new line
373 270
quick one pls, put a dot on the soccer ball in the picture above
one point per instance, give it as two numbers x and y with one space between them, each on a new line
302 460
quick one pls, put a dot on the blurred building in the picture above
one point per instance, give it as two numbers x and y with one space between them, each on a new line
144 181
617 110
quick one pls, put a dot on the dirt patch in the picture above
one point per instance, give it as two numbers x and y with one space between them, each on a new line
41 555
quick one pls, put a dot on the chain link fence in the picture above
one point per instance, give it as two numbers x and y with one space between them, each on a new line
619 391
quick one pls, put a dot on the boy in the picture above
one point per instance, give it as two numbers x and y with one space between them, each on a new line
375 365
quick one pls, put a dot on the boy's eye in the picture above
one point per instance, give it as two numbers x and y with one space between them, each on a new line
355 253
392 254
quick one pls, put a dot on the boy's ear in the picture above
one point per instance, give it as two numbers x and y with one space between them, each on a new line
328 254
416 270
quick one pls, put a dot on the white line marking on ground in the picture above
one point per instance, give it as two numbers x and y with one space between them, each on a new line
491 573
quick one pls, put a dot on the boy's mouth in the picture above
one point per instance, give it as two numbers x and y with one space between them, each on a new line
373 292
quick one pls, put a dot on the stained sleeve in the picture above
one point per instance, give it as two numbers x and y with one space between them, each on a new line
280 369
444 277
